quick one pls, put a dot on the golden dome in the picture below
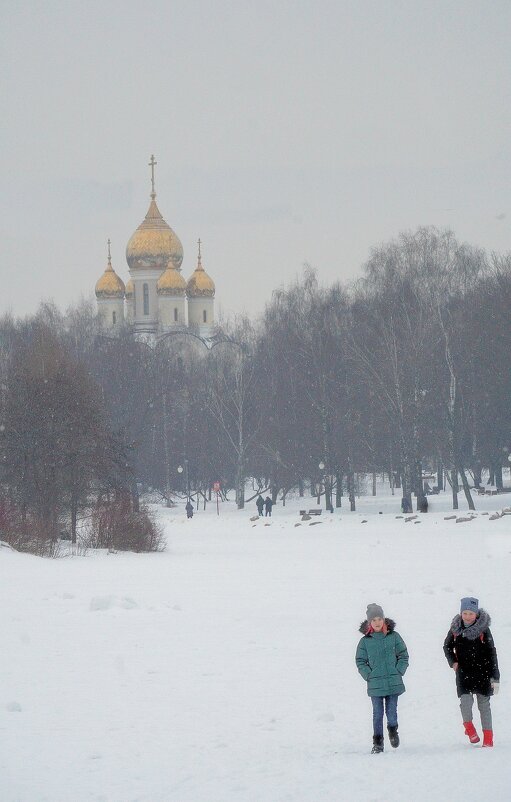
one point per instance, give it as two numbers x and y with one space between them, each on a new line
109 285
171 282
154 242
130 290
200 285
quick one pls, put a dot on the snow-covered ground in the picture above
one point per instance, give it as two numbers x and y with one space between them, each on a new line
222 670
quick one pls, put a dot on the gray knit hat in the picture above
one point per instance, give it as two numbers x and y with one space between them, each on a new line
469 603
374 611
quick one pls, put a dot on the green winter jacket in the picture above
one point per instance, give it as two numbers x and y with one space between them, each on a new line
382 660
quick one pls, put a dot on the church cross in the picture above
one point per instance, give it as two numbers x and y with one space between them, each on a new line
151 165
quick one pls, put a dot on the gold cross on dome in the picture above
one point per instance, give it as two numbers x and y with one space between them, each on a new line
151 165
108 243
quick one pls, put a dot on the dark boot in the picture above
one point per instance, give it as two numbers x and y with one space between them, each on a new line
377 744
393 736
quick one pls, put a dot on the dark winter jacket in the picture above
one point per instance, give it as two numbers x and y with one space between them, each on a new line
382 659
474 651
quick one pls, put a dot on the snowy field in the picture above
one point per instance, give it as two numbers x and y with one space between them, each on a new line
222 670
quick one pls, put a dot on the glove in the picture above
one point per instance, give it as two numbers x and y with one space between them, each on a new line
495 687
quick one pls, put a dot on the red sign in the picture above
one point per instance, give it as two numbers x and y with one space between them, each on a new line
216 487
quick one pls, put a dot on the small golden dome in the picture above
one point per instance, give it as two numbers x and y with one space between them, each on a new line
130 290
154 242
109 285
200 285
171 282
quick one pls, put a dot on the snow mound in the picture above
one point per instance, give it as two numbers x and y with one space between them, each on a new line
107 602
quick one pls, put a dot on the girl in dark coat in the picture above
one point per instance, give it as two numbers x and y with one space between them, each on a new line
471 653
382 659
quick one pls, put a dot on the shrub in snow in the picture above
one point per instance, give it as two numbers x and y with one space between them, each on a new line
27 532
116 526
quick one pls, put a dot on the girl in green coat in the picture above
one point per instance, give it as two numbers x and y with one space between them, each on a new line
382 659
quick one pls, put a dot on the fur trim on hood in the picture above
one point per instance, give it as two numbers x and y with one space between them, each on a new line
480 625
365 625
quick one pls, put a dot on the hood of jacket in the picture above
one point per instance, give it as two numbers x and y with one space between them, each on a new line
365 625
480 625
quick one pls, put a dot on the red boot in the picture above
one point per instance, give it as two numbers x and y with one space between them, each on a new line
487 738
470 730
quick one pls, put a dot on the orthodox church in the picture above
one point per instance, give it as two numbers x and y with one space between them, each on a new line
157 299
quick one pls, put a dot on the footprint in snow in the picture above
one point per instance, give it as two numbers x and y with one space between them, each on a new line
326 717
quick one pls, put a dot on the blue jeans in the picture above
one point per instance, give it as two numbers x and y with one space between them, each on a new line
390 710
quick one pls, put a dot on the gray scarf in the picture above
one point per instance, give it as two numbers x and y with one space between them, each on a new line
474 631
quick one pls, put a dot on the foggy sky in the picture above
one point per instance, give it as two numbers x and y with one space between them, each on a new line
285 132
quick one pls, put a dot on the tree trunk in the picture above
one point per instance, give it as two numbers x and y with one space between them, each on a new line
74 516
167 451
466 489
374 483
351 490
440 476
406 473
454 488
135 498
499 484
338 490
328 494
477 474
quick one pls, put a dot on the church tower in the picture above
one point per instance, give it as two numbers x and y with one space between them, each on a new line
110 297
200 292
171 290
152 248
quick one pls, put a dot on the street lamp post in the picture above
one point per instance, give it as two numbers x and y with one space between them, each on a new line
187 481
328 500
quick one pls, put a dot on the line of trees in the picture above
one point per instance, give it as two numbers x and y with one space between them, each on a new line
408 369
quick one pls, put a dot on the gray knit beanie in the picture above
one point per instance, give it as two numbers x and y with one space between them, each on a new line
469 603
374 611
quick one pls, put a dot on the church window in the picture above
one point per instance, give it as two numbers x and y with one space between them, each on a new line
146 299
175 316
204 317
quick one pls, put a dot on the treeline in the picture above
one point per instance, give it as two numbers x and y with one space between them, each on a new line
406 371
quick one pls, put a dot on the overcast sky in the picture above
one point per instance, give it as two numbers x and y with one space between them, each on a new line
285 133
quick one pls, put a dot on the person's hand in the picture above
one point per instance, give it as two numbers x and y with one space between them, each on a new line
495 686
455 666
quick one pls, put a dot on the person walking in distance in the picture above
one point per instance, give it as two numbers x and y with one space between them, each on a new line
471 653
268 504
259 505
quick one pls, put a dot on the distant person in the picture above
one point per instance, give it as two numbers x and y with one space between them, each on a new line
423 504
471 653
259 504
382 659
406 507
268 504
189 509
